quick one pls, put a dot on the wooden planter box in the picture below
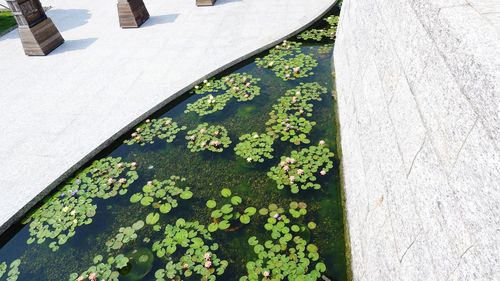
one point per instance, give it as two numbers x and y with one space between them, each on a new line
132 13
205 2
38 33
40 39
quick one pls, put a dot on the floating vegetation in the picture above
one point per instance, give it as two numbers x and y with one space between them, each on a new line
229 212
288 121
162 195
192 243
213 138
208 104
325 49
12 270
125 235
286 255
299 171
71 207
102 270
255 147
210 86
288 117
151 129
288 62
320 34
241 86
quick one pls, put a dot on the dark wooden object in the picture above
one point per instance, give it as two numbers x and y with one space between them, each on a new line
205 2
132 13
38 33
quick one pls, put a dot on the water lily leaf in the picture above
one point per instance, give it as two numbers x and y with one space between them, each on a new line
213 227
245 219
186 195
146 201
211 204
225 192
250 211
165 208
236 200
223 225
136 198
152 218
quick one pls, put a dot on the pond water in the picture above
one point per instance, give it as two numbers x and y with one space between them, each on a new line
236 180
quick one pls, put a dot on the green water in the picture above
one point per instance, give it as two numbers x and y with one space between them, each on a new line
206 173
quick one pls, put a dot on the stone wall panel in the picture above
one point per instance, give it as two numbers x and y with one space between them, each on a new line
418 90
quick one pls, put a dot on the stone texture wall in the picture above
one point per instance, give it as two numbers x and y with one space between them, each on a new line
418 89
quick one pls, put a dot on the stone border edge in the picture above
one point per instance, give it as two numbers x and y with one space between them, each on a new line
107 143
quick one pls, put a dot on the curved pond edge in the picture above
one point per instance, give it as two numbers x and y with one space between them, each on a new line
92 155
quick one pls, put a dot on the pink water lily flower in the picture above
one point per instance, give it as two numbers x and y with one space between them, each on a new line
93 276
321 142
323 172
207 256
208 264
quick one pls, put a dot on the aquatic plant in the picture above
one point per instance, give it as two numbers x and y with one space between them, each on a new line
325 49
13 270
150 129
162 195
299 171
320 34
241 86
208 104
210 86
213 138
288 62
288 120
192 242
102 270
125 235
286 255
255 147
229 213
57 219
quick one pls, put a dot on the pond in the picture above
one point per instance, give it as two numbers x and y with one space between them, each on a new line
236 180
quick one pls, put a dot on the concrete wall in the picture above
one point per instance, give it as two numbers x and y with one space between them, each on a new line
418 88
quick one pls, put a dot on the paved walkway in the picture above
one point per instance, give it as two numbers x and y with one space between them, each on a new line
55 110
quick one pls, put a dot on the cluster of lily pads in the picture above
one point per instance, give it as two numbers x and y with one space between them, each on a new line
102 269
286 255
125 235
163 128
229 213
57 219
325 49
208 137
12 270
255 147
162 195
189 250
288 62
320 34
241 86
299 171
288 121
